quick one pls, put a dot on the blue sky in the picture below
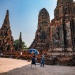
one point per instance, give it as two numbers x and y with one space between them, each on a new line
24 16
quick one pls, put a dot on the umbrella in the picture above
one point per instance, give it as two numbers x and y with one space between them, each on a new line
33 51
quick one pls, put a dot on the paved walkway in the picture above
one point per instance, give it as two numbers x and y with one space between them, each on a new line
22 67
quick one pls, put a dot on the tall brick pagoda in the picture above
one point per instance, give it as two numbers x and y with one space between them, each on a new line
63 24
41 41
6 39
59 35
20 42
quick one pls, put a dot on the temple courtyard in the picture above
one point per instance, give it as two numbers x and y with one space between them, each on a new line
9 66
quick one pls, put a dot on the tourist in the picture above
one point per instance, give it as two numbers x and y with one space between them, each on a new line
42 60
33 62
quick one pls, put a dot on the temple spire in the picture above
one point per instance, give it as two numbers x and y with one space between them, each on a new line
6 35
6 20
7 13
41 41
20 42
7 16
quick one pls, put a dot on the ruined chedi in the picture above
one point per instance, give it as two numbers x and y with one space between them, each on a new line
20 42
59 35
6 39
42 36
63 26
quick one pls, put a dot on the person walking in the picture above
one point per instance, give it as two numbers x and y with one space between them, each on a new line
42 60
33 62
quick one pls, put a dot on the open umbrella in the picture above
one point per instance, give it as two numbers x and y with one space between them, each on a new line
33 51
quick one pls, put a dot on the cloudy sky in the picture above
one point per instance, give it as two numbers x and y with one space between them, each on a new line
24 16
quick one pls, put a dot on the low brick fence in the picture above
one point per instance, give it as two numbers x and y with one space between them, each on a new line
58 60
18 55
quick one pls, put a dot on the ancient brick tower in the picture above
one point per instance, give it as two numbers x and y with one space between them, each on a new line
20 42
6 39
42 37
57 39
63 25
64 7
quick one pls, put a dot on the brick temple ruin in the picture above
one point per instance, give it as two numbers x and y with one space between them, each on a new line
57 38
20 42
6 39
42 37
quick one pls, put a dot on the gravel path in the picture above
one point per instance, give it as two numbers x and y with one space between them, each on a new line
22 67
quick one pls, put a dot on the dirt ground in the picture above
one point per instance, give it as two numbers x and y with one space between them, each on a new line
9 66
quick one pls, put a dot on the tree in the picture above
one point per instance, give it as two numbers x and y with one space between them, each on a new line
16 43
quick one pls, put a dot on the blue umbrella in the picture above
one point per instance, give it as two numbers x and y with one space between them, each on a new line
33 51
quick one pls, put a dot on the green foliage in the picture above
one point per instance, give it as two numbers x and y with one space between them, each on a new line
16 43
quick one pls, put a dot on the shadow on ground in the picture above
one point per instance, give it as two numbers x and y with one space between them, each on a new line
25 70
